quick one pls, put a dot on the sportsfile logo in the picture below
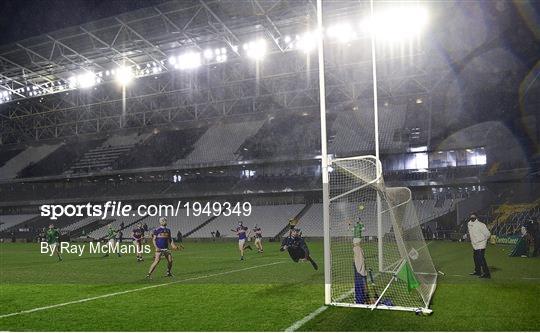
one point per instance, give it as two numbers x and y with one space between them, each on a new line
92 248
112 209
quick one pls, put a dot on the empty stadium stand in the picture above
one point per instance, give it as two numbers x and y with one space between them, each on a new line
60 160
128 221
221 142
285 136
32 154
162 148
354 130
104 156
9 221
271 219
8 153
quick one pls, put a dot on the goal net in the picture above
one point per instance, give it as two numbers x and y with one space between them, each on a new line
378 255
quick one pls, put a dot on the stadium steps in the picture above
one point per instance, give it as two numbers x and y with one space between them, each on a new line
18 223
129 225
100 157
201 225
297 217
89 227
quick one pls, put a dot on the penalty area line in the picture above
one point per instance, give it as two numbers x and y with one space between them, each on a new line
134 290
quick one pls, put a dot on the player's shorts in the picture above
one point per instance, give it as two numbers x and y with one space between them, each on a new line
163 252
241 242
56 245
258 239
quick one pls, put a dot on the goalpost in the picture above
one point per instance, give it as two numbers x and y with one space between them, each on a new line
400 272
401 276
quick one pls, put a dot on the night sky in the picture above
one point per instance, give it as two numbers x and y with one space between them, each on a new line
20 19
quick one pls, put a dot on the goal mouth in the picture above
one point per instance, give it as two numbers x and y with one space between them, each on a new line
378 257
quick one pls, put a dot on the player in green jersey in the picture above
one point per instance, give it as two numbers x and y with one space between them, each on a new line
358 229
111 236
53 239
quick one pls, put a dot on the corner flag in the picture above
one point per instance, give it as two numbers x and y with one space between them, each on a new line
406 274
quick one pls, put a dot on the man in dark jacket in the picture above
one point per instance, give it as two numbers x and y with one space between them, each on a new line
297 247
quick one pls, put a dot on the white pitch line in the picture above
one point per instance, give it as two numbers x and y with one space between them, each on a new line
307 318
134 290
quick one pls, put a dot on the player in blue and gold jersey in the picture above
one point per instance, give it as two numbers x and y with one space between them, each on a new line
241 232
162 239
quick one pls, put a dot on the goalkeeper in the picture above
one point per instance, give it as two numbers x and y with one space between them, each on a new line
297 247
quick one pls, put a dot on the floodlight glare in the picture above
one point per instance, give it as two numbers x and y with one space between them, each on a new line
221 58
208 54
124 75
397 24
72 82
86 80
189 60
256 49
172 60
342 32
307 42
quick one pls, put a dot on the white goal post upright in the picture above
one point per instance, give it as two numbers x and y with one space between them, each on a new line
324 157
376 127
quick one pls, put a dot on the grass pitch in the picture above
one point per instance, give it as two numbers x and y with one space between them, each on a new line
213 290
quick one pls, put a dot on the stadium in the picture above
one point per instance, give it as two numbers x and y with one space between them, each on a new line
269 165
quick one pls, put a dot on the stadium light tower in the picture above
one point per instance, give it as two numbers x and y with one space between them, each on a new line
124 75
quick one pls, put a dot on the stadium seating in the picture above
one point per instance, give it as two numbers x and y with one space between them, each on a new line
275 183
7 154
220 142
20 161
285 136
8 221
127 220
161 149
79 224
271 219
311 222
60 160
354 131
181 222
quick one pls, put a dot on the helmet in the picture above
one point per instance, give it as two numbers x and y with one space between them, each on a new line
163 221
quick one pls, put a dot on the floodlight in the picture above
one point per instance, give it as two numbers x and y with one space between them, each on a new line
256 49
287 39
86 80
208 54
307 42
397 24
221 58
342 32
172 60
124 75
189 60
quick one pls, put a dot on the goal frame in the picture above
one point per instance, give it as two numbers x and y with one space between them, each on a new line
327 250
